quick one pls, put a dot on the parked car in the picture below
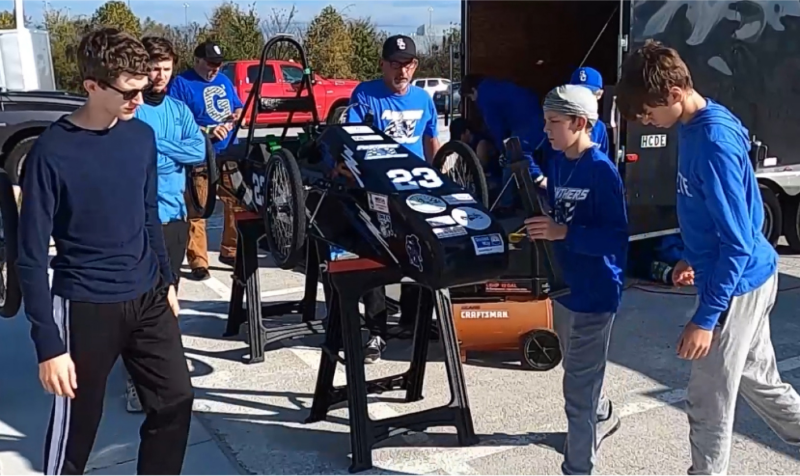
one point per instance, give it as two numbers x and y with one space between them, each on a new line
23 116
431 85
442 98
281 79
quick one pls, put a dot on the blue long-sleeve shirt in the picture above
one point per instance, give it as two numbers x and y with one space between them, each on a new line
509 110
211 102
179 143
588 196
720 212
95 193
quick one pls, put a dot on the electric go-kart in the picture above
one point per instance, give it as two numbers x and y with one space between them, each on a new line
354 188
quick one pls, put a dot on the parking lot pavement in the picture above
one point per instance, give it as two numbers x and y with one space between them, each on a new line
257 411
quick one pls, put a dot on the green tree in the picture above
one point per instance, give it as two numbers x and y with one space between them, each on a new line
65 34
366 42
8 20
237 31
117 14
329 45
436 61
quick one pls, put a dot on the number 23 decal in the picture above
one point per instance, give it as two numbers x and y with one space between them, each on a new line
258 189
426 177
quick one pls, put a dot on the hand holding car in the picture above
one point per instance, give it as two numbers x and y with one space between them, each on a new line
545 228
683 274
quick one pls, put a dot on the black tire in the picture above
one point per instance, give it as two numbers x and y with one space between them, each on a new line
791 222
288 255
11 297
773 216
15 160
539 350
211 169
335 116
472 166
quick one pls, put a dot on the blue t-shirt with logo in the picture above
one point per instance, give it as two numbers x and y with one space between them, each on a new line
403 117
211 102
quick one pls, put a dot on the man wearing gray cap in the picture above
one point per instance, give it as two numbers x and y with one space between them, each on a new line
588 226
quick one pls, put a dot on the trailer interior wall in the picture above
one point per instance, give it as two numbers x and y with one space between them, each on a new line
538 44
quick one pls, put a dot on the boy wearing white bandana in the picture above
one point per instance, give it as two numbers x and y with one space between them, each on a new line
588 226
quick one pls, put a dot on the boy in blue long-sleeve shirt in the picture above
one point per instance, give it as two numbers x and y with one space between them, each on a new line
726 257
592 79
179 143
589 229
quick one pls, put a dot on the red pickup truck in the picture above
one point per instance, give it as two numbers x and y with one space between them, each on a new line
332 95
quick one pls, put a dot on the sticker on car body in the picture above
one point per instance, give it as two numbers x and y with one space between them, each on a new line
378 203
471 218
458 198
427 204
358 130
488 244
444 220
385 225
414 251
367 138
450 232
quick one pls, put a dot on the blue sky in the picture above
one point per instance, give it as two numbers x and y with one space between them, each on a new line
395 16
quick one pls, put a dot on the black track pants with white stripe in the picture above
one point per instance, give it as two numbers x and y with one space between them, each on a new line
145 332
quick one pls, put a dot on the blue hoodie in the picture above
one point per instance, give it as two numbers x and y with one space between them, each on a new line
510 110
720 212
179 143
588 196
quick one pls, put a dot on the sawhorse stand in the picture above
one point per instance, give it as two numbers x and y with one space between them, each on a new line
349 280
250 227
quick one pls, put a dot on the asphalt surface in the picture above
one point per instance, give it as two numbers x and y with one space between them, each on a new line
257 411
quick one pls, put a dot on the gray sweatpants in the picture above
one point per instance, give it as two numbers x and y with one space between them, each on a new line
584 340
741 359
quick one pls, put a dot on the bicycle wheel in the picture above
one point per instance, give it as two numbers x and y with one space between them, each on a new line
284 209
459 162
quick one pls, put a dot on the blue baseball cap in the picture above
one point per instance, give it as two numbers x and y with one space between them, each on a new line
588 77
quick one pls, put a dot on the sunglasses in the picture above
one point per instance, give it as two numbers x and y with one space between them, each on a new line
129 94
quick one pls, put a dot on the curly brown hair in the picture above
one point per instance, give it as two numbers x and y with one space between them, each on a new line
647 76
106 53
159 49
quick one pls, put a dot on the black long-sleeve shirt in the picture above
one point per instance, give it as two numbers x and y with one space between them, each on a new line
95 193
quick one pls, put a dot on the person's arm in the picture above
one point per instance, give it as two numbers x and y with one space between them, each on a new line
608 199
430 135
722 180
191 149
177 90
39 199
601 139
155 233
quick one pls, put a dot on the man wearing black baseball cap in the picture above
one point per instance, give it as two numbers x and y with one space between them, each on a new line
407 114
216 106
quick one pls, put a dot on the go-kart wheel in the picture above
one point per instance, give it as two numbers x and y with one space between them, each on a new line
540 350
459 162
203 208
10 293
284 209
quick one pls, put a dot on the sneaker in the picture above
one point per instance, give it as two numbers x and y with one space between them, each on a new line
200 274
132 398
373 351
608 425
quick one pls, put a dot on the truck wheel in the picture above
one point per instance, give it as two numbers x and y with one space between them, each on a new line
15 160
335 116
773 217
540 350
791 222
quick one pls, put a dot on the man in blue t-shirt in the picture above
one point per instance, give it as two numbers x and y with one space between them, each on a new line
592 79
215 106
407 114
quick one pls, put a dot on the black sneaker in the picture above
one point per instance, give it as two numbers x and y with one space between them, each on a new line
200 274
608 425
372 353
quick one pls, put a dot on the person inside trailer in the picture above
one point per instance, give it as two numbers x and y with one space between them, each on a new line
508 110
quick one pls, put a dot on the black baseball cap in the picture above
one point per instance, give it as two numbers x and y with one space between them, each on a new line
209 51
399 48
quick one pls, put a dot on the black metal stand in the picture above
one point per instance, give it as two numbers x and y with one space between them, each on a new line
349 280
250 228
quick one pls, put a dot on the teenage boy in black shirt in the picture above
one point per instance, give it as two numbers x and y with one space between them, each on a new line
90 182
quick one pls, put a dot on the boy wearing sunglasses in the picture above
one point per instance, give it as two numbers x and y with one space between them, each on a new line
90 182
